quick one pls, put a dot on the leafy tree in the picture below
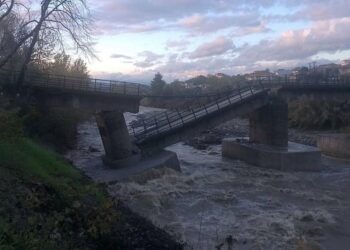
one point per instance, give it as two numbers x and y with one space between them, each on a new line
157 84
79 68
61 64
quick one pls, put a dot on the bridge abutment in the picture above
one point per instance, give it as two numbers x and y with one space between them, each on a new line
268 146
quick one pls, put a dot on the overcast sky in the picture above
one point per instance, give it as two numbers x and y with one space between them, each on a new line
185 38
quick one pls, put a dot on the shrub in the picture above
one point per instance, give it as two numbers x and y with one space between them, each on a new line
319 114
10 125
58 126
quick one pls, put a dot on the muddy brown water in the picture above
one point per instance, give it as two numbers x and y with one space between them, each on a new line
214 198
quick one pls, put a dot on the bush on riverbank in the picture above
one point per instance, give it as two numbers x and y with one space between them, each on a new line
319 114
10 125
47 204
55 126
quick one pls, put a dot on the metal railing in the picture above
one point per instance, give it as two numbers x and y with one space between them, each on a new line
84 84
135 89
166 121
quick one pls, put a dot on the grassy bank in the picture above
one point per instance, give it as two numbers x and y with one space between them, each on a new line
48 204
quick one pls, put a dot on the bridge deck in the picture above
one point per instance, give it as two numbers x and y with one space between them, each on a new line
166 122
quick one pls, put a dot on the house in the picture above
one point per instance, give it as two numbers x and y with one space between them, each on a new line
259 75
329 70
344 67
221 75
283 72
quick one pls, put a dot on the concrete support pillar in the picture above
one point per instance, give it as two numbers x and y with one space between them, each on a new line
114 134
269 124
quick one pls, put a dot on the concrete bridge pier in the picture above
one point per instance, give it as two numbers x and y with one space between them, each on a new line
268 144
269 124
116 140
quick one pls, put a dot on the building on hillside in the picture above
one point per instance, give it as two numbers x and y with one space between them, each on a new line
329 70
344 67
221 75
345 62
298 73
283 72
260 75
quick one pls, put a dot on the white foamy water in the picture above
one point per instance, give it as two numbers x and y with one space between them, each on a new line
214 198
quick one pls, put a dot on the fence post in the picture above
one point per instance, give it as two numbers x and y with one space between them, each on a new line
167 117
144 125
138 89
156 122
124 88
133 130
194 114
179 113
239 92
217 104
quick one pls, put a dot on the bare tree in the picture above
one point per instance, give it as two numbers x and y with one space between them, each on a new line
65 19
6 7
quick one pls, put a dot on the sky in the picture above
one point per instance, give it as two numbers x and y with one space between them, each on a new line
184 38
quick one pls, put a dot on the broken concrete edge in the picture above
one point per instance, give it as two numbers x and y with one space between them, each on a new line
295 157
335 145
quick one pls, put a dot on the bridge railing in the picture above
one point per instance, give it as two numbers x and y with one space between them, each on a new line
86 84
168 120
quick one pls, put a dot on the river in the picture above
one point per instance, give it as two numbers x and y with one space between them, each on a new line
214 203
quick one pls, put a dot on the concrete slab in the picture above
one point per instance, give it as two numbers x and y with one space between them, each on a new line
295 157
100 173
337 145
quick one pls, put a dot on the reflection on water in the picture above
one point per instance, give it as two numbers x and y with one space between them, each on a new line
213 198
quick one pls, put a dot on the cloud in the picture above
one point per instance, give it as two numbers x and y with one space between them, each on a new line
140 16
177 44
211 23
148 60
244 31
218 46
120 56
324 36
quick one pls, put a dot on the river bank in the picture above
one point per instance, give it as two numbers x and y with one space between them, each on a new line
48 204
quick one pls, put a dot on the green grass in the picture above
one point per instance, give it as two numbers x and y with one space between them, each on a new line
38 187
35 162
